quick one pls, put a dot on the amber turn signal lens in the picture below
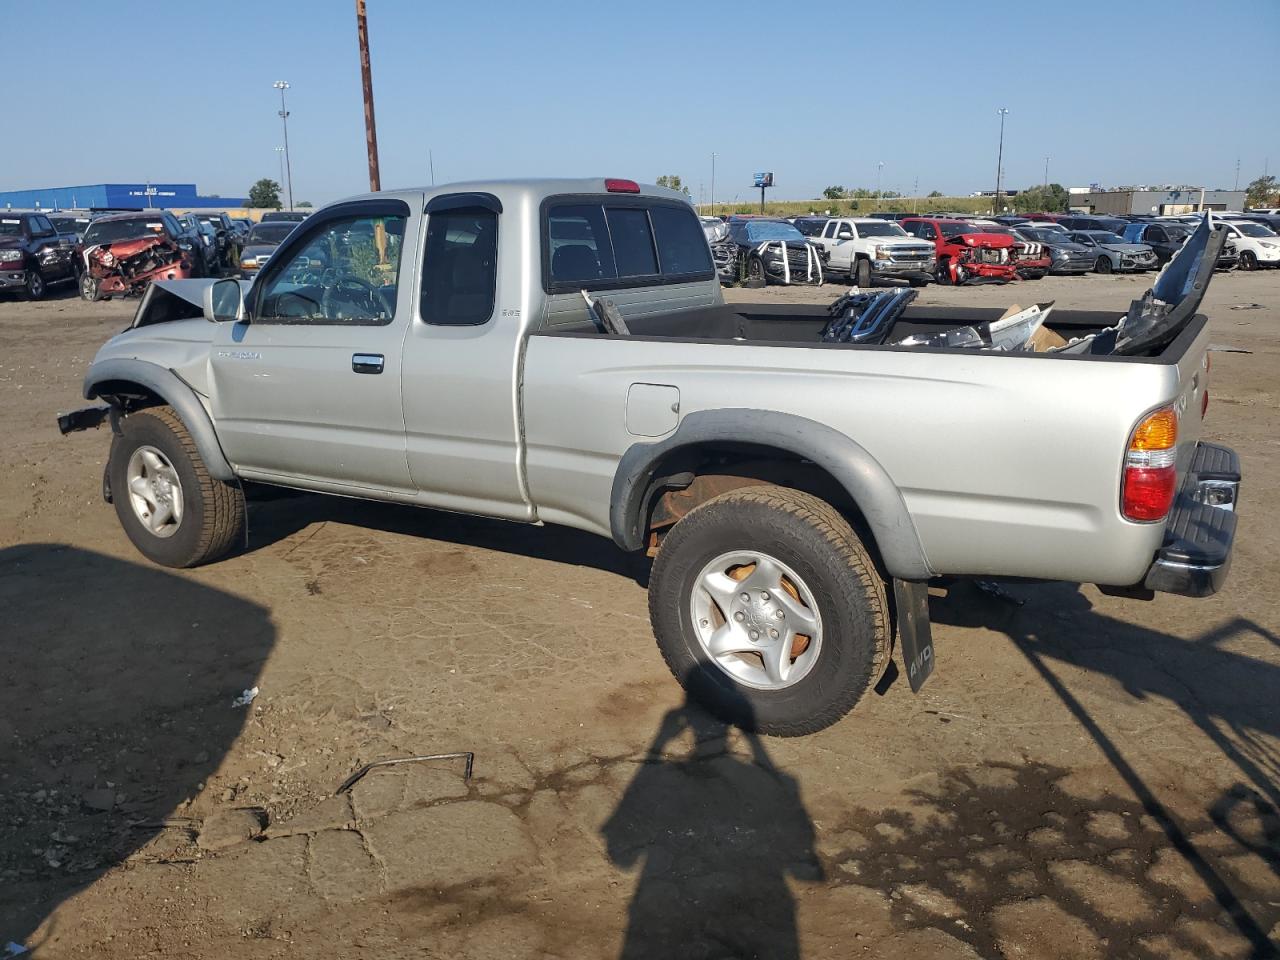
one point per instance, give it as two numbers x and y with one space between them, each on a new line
1158 431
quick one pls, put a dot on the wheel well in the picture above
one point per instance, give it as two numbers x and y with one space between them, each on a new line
689 477
127 395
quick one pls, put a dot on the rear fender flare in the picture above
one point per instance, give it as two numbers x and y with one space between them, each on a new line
861 475
175 392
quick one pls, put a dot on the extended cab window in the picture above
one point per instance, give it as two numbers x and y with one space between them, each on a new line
345 272
605 244
460 267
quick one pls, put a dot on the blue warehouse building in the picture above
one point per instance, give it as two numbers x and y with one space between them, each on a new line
115 196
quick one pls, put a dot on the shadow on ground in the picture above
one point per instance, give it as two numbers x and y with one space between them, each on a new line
117 682
717 836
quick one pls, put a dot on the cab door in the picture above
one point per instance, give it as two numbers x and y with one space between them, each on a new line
307 388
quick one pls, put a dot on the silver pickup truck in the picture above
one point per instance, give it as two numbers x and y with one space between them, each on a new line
559 352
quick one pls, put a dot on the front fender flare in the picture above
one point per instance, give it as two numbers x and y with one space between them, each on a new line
167 384
848 462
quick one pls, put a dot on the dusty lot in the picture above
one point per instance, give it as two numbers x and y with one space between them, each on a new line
1083 777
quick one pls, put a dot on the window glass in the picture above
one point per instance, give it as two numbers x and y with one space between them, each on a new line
682 247
579 243
1156 234
632 241
345 272
41 226
460 267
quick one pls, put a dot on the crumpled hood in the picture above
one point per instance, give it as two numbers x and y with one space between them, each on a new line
1127 247
121 249
996 240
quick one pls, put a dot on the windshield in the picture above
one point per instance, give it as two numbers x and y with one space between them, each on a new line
1176 231
1254 230
274 232
957 229
881 228
760 230
1102 236
106 231
810 228
10 227
1046 236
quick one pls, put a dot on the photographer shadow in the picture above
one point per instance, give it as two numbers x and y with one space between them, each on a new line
117 681
717 835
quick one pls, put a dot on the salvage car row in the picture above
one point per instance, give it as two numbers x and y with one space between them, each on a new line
120 254
900 248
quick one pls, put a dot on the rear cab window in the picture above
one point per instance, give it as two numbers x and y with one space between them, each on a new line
603 243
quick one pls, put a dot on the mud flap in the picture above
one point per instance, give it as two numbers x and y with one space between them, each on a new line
914 633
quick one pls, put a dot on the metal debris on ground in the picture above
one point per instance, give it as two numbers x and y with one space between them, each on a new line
1223 348
1247 306
996 591
348 783
245 698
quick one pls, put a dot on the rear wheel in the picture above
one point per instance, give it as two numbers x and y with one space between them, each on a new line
1248 260
36 287
769 610
862 272
172 510
1103 265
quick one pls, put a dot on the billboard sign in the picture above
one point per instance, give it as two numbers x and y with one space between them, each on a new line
764 180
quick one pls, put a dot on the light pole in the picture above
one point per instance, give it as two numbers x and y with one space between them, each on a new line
1046 173
282 86
879 170
713 184
280 157
1000 155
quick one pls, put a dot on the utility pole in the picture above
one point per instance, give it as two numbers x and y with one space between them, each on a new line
1003 111
282 86
915 194
1046 174
879 170
431 162
366 78
1237 186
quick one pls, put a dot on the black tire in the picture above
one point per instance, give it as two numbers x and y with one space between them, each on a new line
1103 265
812 538
942 272
756 271
36 287
88 288
213 516
918 281
862 273
1248 260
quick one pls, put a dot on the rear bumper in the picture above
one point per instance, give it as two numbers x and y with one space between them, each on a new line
1196 554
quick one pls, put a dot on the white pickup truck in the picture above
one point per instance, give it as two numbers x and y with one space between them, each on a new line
559 352
866 249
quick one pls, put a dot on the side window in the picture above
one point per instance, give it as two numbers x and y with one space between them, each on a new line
460 267
40 227
345 272
682 246
846 232
632 241
579 243
829 230
1156 234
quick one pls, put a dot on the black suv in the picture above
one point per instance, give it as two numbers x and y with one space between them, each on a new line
33 254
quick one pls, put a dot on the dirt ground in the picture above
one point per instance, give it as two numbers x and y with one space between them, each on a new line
1083 776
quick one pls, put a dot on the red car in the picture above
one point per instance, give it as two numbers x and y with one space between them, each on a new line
965 252
123 253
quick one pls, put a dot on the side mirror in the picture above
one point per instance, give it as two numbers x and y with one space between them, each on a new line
223 301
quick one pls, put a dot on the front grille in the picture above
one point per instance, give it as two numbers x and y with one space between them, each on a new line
910 254
988 255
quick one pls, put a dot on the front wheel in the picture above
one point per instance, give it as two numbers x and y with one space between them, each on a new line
88 288
172 510
1103 265
769 610
1248 260
862 273
36 287
755 270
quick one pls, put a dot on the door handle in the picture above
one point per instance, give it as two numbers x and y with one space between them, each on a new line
367 362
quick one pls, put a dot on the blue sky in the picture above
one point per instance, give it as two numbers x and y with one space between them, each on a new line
1113 92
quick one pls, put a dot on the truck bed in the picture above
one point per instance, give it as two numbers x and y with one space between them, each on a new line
800 325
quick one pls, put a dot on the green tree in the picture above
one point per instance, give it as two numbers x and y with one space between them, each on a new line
1263 192
935 193
834 193
674 182
1050 199
306 203
265 193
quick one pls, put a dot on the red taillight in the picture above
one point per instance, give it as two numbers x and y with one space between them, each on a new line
1150 468
614 185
